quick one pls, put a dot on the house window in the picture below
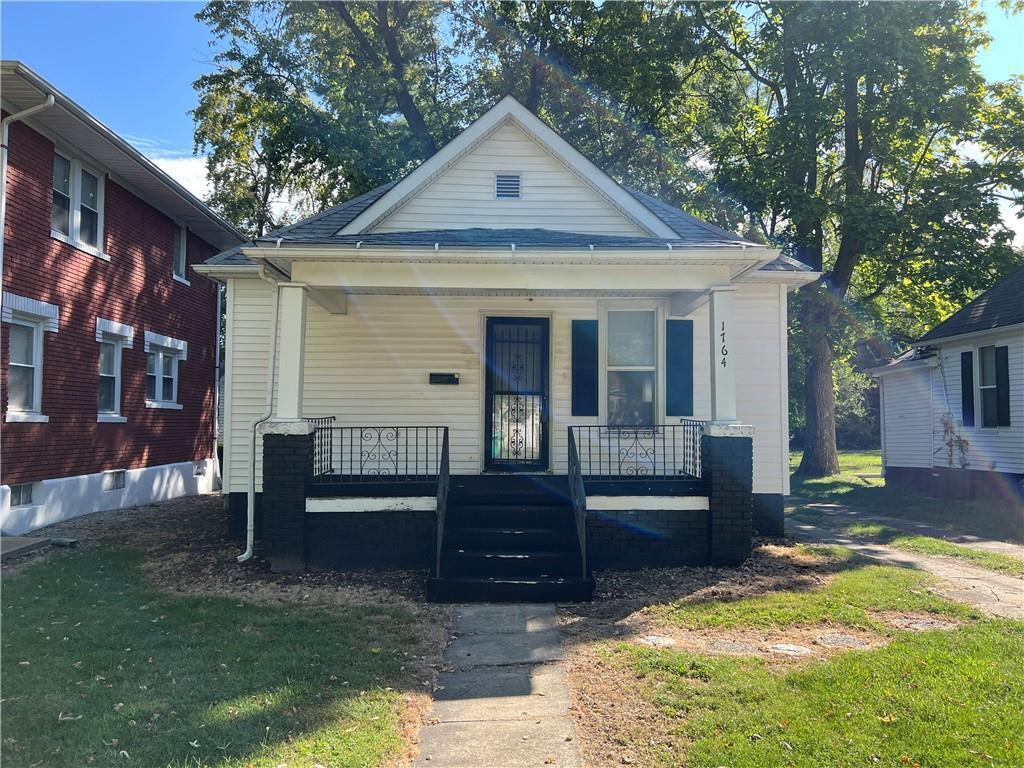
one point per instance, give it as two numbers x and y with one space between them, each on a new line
508 186
77 213
180 242
113 481
631 367
24 373
162 377
60 215
110 376
994 386
21 495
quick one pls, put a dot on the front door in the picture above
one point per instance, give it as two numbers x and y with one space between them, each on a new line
516 412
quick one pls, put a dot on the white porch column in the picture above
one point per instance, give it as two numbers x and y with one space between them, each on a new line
723 359
291 353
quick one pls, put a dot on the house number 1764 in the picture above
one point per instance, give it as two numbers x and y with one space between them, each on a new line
725 349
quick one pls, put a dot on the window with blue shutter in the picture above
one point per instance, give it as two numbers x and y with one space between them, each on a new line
584 368
679 368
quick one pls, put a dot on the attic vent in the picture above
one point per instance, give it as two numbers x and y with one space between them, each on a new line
507 186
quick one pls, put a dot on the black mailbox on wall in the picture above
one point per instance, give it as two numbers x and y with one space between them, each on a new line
444 378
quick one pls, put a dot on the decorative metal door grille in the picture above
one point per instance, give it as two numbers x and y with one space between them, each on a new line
517 394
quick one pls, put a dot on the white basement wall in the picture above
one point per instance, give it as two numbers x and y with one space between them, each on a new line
370 367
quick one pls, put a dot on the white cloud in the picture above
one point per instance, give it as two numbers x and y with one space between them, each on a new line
190 172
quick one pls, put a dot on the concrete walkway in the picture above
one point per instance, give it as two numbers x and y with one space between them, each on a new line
997 594
504 701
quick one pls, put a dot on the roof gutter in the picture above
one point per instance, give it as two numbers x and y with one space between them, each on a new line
45 104
88 120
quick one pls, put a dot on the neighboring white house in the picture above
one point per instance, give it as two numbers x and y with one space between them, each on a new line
503 291
953 406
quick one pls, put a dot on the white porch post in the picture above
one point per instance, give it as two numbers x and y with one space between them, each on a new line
723 359
291 350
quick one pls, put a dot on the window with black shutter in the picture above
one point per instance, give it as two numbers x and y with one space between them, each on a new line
679 368
967 388
584 368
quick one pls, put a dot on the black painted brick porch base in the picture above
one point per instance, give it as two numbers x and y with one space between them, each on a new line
647 539
348 541
287 463
728 466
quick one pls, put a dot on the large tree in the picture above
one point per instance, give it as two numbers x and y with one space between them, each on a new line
854 155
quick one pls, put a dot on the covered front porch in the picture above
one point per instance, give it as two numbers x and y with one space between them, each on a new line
528 460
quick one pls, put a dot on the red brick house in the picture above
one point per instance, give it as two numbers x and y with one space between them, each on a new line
109 339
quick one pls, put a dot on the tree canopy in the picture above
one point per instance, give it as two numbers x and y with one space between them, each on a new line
859 137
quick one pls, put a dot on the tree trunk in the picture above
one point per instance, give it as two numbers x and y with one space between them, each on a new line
820 457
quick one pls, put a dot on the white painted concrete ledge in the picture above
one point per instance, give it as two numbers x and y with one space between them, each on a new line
646 503
378 504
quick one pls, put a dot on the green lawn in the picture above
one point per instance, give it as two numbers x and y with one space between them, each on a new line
99 669
928 545
928 699
933 698
851 599
978 518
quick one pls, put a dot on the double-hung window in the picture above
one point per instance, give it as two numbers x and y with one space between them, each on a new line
162 377
77 213
110 377
180 250
994 386
632 353
25 371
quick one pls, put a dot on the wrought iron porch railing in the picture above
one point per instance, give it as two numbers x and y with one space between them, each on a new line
578 494
657 452
322 460
376 454
442 502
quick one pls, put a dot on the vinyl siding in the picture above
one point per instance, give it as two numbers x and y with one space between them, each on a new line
371 367
552 196
907 413
1000 449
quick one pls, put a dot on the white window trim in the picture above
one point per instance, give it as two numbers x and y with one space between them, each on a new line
167 342
656 306
33 414
75 215
47 314
106 327
182 231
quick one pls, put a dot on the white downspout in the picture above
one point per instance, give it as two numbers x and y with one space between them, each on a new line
3 171
218 473
250 498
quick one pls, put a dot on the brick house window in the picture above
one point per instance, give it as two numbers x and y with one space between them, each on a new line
25 368
110 376
164 356
77 213
180 250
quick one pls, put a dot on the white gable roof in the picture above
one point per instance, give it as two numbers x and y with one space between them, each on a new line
510 112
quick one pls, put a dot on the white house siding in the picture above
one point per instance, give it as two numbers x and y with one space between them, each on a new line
371 367
1000 449
552 196
907 415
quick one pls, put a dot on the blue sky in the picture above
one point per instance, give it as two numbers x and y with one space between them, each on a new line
132 65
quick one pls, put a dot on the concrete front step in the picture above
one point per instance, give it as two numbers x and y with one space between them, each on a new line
509 590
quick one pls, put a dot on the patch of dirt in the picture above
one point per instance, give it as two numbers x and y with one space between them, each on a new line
616 724
917 622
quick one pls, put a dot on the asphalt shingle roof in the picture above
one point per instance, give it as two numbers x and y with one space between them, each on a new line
323 229
999 306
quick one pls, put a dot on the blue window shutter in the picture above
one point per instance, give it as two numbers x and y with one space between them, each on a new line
679 368
1002 386
584 367
967 388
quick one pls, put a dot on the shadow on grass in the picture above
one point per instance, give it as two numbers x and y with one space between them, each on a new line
97 666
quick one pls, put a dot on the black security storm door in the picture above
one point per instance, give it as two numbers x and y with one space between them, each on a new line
516 417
